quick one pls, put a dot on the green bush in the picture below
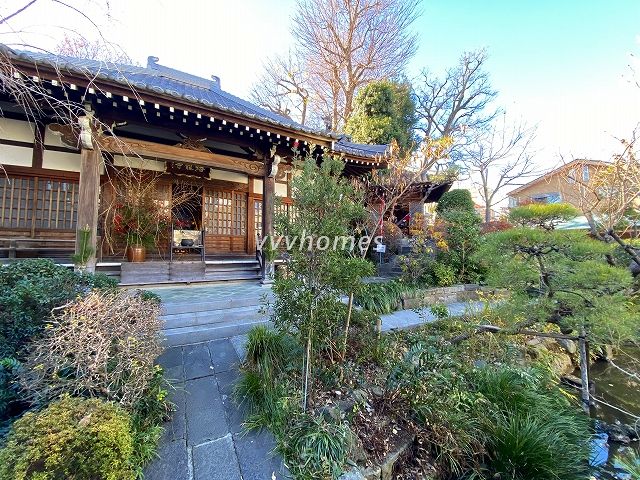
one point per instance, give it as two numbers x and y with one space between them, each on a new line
8 385
445 275
533 432
382 297
316 448
543 215
29 289
265 349
71 439
458 200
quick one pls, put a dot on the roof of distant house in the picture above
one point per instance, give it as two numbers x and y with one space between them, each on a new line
202 92
546 176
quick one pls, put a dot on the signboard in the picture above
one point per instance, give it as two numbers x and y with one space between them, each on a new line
380 248
189 169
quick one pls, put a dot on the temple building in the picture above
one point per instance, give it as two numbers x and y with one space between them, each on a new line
87 146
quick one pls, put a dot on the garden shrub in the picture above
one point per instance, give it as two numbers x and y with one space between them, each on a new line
543 215
381 297
72 438
29 289
444 275
319 447
533 431
457 199
101 345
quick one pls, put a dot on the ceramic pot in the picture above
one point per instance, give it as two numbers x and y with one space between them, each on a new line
136 253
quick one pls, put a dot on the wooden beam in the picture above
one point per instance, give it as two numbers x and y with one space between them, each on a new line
88 192
130 147
268 193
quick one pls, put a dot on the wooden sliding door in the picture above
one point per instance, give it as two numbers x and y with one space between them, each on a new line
224 215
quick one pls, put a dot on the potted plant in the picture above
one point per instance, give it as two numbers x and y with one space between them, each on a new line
138 225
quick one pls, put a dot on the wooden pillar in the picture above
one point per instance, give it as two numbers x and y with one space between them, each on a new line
88 193
268 192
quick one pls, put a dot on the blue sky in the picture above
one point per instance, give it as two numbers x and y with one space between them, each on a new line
562 64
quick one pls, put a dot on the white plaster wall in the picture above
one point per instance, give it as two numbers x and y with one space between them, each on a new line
281 189
140 163
53 139
68 162
228 176
257 186
16 130
12 155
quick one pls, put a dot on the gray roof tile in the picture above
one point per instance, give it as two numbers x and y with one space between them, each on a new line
195 90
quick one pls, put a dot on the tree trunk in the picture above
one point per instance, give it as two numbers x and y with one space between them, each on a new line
584 370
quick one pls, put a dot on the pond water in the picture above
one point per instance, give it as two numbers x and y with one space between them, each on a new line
618 389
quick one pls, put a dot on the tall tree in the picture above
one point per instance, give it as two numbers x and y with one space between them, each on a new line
457 105
283 87
345 44
383 111
501 157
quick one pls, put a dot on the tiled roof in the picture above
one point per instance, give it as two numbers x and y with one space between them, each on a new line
360 149
158 79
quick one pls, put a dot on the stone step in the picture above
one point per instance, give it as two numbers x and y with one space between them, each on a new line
205 333
233 275
232 267
172 308
213 317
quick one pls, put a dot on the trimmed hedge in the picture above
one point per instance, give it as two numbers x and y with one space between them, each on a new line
72 438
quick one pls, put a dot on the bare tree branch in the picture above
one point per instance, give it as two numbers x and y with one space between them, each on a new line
457 105
501 157
346 44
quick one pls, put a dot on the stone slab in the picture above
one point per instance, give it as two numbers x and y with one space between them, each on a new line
197 361
235 413
171 362
172 462
204 411
216 460
256 456
223 355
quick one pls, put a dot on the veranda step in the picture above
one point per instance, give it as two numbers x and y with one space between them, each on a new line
204 333
174 308
212 317
239 275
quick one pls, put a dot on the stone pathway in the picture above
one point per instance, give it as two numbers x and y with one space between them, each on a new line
205 440
403 319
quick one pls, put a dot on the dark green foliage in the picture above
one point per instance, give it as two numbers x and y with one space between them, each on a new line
462 237
71 438
458 200
8 387
383 297
533 432
307 301
320 447
265 348
560 277
29 289
148 415
383 111
543 215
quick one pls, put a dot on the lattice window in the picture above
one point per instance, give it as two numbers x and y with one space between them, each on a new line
240 214
43 203
225 213
257 215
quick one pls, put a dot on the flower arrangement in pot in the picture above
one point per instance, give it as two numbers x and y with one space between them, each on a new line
138 221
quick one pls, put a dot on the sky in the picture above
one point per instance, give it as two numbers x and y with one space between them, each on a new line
563 65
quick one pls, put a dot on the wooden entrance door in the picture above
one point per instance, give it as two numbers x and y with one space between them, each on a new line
224 216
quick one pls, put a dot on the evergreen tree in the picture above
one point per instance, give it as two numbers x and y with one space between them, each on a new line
384 111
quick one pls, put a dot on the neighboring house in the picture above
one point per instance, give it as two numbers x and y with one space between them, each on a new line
564 184
185 131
